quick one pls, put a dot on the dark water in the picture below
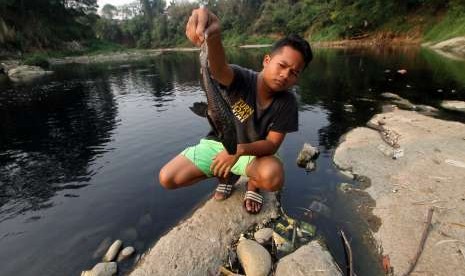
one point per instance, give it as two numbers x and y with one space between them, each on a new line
79 150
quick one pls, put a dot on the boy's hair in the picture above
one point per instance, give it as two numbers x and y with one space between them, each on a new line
297 43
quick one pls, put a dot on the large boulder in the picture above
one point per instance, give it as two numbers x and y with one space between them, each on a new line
430 174
199 245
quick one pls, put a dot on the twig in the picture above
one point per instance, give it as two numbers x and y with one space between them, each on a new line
424 235
348 250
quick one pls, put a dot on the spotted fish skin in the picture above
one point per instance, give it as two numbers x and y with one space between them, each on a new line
219 113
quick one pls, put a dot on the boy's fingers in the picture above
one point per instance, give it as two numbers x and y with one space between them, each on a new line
201 23
191 28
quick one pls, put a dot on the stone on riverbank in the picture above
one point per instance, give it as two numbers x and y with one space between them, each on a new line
112 251
200 244
263 235
309 260
26 73
406 188
102 269
254 258
453 105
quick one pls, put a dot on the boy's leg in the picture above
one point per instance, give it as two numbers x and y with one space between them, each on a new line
266 173
180 172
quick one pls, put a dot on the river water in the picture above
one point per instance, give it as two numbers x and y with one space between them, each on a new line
80 150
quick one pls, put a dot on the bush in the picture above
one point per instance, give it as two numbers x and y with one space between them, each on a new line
37 59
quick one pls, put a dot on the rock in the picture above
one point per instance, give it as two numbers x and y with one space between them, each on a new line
25 73
393 216
263 235
311 166
426 108
112 251
309 260
102 269
391 96
254 258
453 48
307 154
125 253
453 105
200 243
404 104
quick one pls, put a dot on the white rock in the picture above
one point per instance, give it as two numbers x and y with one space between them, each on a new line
102 269
26 73
112 251
125 253
454 105
98 253
297 263
389 95
307 153
263 235
254 258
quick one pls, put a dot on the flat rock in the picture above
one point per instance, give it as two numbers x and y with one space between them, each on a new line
102 269
25 73
263 235
200 243
453 105
112 252
404 189
254 258
310 259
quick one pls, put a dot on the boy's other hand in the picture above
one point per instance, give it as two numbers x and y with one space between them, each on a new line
202 22
223 163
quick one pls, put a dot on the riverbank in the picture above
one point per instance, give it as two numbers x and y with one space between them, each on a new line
427 177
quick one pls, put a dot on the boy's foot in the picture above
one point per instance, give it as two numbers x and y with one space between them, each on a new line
225 188
253 201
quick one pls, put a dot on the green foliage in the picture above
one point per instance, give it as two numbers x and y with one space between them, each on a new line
45 24
37 59
452 25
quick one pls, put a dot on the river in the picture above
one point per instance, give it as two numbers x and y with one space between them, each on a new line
80 150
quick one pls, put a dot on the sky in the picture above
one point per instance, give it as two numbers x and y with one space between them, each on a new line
102 3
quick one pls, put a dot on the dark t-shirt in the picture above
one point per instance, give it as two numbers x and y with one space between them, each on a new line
252 123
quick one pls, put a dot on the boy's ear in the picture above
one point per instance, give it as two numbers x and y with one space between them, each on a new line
266 60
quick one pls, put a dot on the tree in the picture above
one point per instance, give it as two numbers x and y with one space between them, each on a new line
109 11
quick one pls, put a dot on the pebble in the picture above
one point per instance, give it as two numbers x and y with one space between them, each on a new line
263 235
125 253
254 258
112 251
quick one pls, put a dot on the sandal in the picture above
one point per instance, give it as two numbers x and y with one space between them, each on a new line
226 189
255 197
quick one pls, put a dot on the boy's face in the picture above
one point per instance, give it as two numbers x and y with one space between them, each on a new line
281 70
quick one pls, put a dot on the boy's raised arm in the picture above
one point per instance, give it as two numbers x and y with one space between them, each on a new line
203 23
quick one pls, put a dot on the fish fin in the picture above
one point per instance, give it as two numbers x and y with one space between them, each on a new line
199 109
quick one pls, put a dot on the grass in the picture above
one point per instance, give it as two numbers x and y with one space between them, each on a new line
452 25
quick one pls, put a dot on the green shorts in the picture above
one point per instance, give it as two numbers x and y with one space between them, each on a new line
202 154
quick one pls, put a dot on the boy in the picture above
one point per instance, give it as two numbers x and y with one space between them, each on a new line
264 112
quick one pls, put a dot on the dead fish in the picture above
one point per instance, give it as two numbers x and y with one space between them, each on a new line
199 109
219 112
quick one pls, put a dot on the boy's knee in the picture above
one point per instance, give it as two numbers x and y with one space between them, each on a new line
166 180
273 178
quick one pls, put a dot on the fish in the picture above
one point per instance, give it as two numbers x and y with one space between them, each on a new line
219 112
